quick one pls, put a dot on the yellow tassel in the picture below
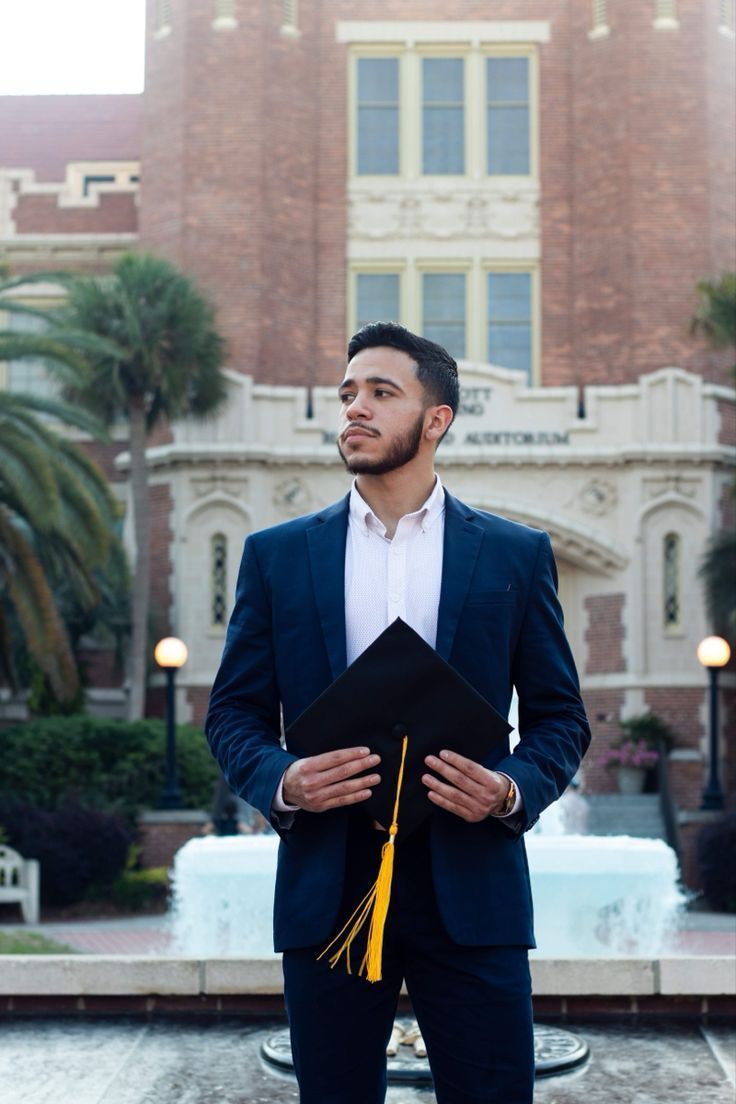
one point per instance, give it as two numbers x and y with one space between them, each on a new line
374 904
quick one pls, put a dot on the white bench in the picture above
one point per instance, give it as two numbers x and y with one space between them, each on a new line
19 882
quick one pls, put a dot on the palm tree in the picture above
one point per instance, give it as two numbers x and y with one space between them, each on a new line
715 318
715 314
55 509
167 365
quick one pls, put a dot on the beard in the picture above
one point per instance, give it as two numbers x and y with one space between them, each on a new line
401 451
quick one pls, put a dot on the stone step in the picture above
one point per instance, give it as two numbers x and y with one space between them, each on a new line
625 814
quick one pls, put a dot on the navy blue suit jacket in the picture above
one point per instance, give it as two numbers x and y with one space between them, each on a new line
499 624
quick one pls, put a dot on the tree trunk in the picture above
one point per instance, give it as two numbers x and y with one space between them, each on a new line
142 576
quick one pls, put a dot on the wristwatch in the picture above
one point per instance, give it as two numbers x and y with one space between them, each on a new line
509 800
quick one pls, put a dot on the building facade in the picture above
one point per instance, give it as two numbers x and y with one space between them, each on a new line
539 191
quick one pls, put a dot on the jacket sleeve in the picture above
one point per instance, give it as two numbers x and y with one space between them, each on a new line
243 722
553 728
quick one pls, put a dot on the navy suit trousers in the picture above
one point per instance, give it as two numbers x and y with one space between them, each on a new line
473 1004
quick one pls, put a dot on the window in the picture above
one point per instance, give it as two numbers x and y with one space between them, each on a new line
727 15
288 14
377 296
163 14
29 374
671 581
443 310
443 115
218 574
425 113
665 15
600 14
510 320
378 115
507 115
475 311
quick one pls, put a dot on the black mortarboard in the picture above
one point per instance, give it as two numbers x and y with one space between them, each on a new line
404 702
399 684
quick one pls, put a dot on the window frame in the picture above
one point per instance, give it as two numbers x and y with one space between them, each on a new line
533 270
411 127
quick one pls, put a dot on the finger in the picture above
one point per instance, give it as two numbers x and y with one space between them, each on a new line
347 799
450 793
467 766
452 807
347 769
328 759
350 785
458 777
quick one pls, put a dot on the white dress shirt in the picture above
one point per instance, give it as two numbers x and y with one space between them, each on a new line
390 577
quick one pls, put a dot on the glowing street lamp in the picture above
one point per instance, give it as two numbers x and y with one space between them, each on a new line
171 654
713 653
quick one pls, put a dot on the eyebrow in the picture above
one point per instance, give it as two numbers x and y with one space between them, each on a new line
372 379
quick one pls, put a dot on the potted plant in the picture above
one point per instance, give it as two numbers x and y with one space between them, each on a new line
646 739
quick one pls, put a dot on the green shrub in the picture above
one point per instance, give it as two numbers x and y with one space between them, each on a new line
715 849
116 766
135 889
76 846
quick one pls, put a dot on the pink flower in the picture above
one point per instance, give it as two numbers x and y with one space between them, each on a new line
630 753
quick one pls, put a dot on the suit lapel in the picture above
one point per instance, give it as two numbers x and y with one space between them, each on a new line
461 546
326 543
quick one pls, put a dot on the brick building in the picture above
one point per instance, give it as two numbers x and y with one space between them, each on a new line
539 191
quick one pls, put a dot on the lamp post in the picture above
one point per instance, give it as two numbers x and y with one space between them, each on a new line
171 654
713 653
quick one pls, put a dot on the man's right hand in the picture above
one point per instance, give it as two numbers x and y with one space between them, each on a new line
327 781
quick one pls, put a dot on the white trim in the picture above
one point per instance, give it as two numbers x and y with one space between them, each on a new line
475 33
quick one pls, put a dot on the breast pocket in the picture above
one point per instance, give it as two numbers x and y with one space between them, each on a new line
481 598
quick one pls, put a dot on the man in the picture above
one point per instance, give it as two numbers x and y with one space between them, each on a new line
312 594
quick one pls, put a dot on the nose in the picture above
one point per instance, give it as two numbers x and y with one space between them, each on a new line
358 408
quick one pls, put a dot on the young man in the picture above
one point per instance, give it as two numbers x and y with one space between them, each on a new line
311 596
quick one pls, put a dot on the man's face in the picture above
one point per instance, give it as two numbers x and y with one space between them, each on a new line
382 412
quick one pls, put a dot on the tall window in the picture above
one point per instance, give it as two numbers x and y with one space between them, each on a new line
443 310
507 115
29 374
443 115
671 557
289 14
163 14
218 580
510 320
600 15
377 297
727 15
378 115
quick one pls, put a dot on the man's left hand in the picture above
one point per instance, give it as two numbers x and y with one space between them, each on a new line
469 790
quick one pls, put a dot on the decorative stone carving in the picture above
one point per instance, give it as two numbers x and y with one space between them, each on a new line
672 484
598 497
478 212
205 485
292 497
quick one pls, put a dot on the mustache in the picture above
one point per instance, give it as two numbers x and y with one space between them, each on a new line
362 429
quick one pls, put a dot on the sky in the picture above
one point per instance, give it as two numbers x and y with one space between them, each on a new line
71 46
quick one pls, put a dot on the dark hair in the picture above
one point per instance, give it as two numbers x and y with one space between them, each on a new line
436 369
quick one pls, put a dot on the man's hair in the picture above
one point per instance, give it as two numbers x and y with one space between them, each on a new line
436 369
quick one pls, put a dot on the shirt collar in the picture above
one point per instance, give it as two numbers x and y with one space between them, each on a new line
363 517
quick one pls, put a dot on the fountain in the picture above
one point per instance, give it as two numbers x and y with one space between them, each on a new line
594 895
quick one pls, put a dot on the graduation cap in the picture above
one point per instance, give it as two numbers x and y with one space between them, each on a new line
404 702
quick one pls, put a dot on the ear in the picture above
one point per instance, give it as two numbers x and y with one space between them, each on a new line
437 421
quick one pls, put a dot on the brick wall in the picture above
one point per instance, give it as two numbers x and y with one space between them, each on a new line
198 698
604 710
41 214
604 634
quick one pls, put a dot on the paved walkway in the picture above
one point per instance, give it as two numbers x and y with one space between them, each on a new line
123 1061
706 933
